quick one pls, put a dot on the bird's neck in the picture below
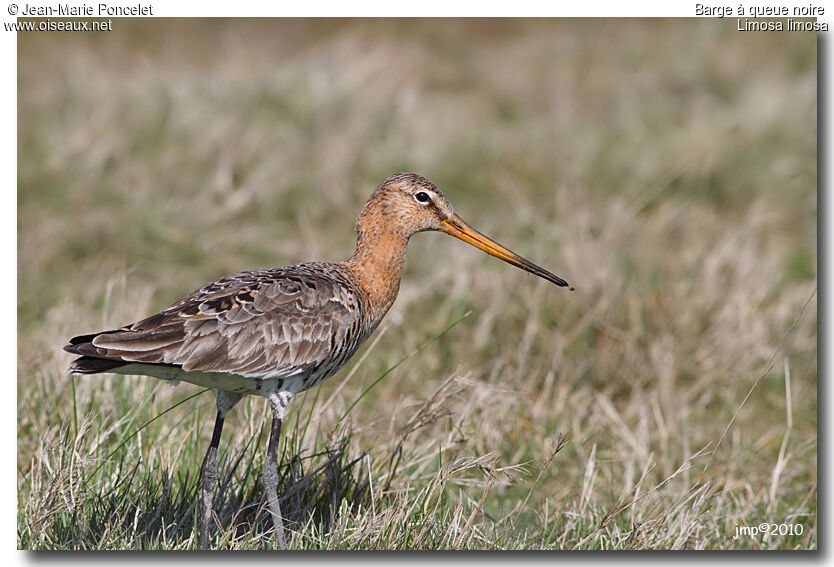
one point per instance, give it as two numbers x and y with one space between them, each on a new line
377 264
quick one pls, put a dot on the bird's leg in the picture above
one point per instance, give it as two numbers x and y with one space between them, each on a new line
208 474
278 403
210 477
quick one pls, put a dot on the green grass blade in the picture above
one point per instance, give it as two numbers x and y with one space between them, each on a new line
74 410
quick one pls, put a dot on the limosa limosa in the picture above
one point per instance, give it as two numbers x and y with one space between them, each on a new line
275 332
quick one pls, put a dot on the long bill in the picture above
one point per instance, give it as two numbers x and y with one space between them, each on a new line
455 226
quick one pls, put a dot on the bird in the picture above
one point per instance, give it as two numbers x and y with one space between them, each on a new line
275 332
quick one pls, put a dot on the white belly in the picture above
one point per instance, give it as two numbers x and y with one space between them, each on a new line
234 383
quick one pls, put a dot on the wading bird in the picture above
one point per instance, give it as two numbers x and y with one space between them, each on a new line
274 332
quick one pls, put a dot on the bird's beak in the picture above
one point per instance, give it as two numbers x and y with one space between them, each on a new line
456 226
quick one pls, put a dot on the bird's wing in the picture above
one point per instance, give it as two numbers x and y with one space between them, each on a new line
275 322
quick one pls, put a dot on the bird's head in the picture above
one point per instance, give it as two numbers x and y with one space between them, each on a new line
407 203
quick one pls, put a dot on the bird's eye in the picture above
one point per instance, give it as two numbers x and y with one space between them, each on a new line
422 197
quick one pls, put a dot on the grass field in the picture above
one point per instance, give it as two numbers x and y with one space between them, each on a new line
665 168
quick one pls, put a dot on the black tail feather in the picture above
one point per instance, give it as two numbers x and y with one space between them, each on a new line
79 344
92 365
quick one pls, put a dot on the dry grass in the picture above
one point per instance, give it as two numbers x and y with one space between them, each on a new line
666 168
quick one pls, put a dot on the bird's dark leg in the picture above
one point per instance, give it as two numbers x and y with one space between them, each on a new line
278 403
210 477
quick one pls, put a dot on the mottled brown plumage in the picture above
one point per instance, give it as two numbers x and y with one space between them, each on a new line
286 325
278 331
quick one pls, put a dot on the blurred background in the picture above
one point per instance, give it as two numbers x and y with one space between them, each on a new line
666 168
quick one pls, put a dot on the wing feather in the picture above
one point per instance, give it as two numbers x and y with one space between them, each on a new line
263 322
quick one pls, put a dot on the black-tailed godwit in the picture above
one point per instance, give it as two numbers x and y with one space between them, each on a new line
274 332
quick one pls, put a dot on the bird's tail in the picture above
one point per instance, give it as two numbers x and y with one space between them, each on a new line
88 363
92 365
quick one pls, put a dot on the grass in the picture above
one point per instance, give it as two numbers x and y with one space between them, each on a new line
665 168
